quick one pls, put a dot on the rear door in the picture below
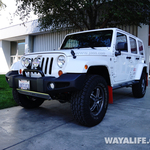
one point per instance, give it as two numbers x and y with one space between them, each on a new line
137 55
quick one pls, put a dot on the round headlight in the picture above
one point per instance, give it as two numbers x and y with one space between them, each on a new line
36 62
61 61
27 62
22 61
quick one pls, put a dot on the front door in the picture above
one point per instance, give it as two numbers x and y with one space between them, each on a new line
121 62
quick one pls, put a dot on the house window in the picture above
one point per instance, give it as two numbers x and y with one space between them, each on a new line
17 50
21 49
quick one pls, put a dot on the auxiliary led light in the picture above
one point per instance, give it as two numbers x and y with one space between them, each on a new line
36 62
27 62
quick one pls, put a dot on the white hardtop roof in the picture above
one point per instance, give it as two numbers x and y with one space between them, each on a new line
94 30
114 29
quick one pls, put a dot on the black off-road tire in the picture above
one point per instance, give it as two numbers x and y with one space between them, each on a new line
139 89
90 104
26 101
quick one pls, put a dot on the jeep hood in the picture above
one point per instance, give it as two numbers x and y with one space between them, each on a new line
77 52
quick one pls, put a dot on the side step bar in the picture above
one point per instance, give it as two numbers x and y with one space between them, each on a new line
125 84
35 94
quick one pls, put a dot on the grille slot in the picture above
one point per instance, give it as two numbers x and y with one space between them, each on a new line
42 63
46 65
50 67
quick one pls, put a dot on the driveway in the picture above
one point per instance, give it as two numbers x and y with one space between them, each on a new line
52 127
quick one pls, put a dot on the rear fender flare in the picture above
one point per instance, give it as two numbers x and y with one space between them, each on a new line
139 69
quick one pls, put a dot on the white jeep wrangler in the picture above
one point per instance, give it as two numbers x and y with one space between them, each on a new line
88 66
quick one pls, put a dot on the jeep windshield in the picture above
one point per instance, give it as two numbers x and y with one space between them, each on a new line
88 39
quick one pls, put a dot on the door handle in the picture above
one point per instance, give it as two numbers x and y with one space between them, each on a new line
128 57
137 58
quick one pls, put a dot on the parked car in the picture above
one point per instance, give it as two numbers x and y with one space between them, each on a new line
88 66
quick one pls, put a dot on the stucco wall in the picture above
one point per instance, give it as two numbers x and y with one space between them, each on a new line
19 30
4 56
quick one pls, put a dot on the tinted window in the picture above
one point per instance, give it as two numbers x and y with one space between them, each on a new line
90 39
133 46
141 48
121 38
21 47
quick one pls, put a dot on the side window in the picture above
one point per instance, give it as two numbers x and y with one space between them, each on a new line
122 39
141 50
133 45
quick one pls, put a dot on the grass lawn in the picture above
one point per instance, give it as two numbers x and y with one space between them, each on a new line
6 98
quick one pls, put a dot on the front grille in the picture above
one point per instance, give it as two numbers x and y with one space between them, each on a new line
46 68
46 65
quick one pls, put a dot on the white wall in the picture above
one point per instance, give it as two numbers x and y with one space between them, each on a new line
19 30
27 44
4 56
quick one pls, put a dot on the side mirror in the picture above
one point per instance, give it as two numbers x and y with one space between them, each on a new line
121 46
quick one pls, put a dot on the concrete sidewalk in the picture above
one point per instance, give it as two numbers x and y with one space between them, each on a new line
52 127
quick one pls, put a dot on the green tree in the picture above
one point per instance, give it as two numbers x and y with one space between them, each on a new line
2 5
90 14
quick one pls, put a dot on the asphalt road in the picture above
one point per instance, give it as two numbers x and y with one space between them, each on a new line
52 127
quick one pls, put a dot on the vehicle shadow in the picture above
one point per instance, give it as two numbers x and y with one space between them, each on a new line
49 115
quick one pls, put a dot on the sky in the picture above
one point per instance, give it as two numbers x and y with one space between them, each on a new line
7 17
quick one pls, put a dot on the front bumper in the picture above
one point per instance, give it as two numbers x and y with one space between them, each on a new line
65 83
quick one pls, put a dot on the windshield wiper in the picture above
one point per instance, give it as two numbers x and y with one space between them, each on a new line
92 47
